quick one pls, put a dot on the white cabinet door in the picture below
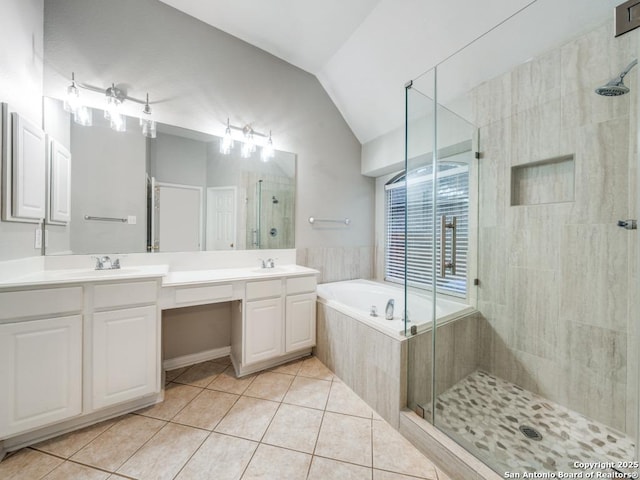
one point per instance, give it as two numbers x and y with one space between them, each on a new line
263 330
40 373
300 321
125 355
60 183
29 169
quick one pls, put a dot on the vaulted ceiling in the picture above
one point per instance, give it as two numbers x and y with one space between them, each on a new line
364 51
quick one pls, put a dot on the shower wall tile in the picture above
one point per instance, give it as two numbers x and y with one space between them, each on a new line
457 355
492 245
535 134
582 107
536 81
338 263
602 152
419 361
491 101
595 57
494 172
601 351
495 336
533 306
597 397
535 246
557 281
593 286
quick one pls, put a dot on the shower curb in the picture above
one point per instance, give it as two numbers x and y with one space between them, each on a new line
450 457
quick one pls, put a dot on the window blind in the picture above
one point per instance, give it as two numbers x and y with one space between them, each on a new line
416 203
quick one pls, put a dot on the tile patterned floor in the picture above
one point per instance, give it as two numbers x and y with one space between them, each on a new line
483 413
297 421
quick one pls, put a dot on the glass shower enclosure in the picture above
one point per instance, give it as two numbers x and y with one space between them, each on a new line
519 191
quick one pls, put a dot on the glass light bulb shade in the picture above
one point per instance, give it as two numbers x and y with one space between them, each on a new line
118 122
245 151
72 100
267 151
226 143
83 116
148 128
112 108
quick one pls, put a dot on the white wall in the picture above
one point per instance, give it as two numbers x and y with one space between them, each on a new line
21 53
200 76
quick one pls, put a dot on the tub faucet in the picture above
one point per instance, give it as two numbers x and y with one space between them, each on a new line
388 311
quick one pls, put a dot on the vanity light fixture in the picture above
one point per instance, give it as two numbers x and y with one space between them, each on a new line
72 104
226 143
114 97
249 145
248 142
146 122
267 151
72 99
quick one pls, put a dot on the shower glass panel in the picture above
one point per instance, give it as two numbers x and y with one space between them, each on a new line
414 244
543 375
270 212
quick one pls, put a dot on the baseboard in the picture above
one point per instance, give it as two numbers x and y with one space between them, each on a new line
193 358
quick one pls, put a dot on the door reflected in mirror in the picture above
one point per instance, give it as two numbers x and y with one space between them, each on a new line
172 193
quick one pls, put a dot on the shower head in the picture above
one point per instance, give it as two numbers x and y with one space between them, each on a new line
616 86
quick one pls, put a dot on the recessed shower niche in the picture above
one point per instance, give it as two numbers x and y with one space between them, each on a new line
547 181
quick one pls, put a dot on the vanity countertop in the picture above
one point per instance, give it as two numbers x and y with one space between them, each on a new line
169 278
81 275
191 277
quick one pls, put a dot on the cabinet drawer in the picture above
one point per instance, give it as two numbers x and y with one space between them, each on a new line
31 303
267 288
203 294
301 285
120 294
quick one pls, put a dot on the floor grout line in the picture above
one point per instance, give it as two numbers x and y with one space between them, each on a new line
312 455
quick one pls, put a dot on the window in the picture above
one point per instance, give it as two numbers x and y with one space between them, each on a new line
453 200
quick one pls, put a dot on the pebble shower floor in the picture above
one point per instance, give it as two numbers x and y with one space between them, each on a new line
484 413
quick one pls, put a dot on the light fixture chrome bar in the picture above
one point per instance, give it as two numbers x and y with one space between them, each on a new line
246 130
120 94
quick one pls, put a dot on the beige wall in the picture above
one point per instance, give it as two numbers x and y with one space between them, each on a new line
200 76
558 280
190 330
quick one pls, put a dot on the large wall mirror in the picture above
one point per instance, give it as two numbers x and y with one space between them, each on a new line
175 192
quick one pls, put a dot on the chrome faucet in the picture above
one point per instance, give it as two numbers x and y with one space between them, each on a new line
388 311
105 263
268 263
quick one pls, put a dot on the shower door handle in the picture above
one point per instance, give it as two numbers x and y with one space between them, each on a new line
444 265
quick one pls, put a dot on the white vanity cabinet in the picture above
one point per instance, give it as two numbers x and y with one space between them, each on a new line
40 358
263 321
125 342
278 323
300 321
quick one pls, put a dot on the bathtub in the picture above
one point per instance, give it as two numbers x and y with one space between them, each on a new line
356 298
